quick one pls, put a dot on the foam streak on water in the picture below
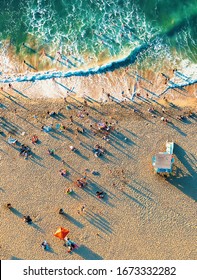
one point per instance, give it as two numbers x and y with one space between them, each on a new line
109 67
131 58
88 33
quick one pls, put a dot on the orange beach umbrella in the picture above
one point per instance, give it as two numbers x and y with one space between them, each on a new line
61 232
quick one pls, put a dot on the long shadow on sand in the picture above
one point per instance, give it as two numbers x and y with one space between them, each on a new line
68 89
55 156
186 182
20 215
19 92
93 187
2 190
15 258
75 195
16 212
139 192
36 159
120 137
177 129
87 253
77 152
10 127
98 221
36 227
50 250
11 98
134 200
72 220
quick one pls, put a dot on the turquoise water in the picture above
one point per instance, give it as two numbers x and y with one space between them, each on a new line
93 30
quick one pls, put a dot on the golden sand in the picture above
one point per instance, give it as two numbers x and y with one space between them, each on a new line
142 216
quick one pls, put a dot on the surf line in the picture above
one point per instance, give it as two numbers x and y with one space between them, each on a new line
108 67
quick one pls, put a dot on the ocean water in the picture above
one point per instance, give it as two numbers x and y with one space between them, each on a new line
88 33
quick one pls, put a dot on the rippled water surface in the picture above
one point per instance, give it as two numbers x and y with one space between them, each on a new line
91 31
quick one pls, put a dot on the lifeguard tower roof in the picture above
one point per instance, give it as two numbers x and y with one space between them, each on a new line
163 161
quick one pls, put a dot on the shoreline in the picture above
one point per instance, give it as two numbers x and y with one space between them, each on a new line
117 77
108 79
117 86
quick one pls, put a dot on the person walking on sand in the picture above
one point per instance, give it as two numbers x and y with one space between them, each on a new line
27 219
72 148
61 211
82 209
69 190
45 245
108 96
8 205
51 152
100 194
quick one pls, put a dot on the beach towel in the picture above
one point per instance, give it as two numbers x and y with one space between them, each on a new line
47 128
101 125
11 140
57 126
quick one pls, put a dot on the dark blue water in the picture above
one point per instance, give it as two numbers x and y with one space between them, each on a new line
92 31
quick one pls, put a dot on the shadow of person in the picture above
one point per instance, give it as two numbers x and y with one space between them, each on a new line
87 253
16 212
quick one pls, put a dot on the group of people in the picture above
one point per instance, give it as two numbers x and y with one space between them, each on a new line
100 194
70 244
180 117
81 183
63 172
165 120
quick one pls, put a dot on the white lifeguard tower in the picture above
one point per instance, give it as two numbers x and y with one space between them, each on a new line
163 161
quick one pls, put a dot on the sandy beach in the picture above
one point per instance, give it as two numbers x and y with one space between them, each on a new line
143 215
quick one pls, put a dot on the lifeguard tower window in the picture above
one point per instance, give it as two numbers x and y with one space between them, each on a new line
163 161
